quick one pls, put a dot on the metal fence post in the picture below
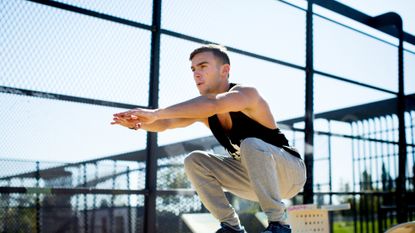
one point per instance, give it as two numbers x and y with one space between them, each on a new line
151 161
85 202
129 220
94 204
401 186
38 224
309 109
382 21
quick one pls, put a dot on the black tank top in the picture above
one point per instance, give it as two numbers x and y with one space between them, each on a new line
245 127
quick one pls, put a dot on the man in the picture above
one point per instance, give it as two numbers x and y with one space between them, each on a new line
262 166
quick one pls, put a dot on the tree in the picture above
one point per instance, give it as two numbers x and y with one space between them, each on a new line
20 214
366 181
387 182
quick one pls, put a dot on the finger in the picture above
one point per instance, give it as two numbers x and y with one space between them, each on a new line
122 113
118 120
126 116
137 126
122 118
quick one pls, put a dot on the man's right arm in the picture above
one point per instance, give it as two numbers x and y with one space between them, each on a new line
164 124
155 126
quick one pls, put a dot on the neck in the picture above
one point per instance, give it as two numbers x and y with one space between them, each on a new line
221 88
224 87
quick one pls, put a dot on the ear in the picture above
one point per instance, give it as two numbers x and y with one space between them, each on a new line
225 69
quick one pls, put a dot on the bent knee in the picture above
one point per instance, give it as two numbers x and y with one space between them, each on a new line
254 148
251 143
192 159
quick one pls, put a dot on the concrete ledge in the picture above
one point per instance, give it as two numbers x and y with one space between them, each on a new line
201 222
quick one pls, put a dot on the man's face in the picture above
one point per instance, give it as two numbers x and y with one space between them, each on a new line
206 73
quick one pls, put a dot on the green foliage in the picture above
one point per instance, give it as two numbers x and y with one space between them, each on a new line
18 213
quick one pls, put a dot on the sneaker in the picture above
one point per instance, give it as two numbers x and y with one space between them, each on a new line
225 228
276 227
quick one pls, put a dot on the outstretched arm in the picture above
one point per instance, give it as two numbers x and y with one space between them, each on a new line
196 109
200 107
156 126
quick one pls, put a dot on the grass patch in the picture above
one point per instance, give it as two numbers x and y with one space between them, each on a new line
343 227
348 227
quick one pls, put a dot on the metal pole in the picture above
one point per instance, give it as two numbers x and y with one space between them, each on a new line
412 126
94 204
382 21
359 155
151 162
329 135
329 148
85 201
130 229
38 224
353 126
77 228
112 208
401 189
309 109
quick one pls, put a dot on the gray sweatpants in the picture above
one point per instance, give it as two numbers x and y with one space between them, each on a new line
265 174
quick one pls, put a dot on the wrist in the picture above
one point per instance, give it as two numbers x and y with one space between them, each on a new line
158 114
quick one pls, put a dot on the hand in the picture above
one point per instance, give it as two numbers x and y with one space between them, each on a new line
126 122
135 117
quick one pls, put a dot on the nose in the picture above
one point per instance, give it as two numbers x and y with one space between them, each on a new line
196 75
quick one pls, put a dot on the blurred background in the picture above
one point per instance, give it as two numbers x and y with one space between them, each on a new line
339 79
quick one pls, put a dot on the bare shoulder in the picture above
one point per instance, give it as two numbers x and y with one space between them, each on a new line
246 90
258 108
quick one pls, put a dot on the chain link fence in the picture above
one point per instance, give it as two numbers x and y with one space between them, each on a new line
67 66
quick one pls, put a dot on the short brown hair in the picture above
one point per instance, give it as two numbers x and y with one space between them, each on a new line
219 51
